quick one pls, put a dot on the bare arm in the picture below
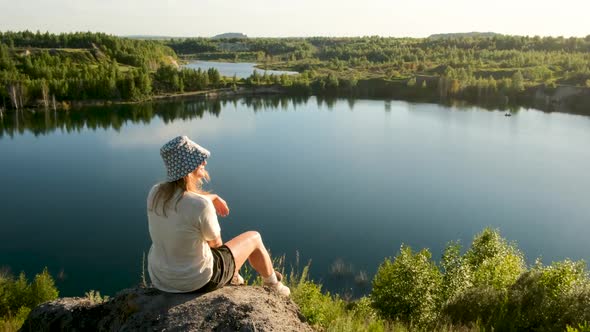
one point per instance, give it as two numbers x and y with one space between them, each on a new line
212 197
220 205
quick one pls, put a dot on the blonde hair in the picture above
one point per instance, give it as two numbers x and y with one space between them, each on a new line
166 191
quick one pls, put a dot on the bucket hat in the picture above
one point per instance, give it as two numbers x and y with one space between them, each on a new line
181 157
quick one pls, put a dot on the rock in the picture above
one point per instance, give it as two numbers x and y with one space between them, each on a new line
232 308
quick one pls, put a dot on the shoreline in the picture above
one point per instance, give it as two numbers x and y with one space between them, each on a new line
213 93
541 102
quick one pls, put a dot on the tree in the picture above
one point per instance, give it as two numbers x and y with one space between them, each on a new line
407 288
517 82
45 94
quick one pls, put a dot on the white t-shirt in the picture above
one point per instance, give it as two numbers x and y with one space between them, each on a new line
180 259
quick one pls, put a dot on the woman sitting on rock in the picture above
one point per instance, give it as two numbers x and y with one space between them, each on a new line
187 253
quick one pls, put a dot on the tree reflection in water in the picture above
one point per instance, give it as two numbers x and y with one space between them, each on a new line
41 122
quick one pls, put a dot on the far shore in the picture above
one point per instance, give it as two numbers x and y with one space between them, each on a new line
212 93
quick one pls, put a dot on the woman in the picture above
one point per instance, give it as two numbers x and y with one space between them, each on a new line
187 252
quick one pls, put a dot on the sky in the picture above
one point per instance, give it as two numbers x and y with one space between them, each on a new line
299 18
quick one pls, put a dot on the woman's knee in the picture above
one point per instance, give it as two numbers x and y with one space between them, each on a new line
254 236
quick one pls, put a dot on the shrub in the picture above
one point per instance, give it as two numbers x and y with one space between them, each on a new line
17 293
317 308
456 272
14 322
18 297
493 261
484 305
95 298
407 288
552 297
475 285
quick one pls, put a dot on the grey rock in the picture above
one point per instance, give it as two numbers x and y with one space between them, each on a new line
232 308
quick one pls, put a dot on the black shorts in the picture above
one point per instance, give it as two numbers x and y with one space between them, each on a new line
224 267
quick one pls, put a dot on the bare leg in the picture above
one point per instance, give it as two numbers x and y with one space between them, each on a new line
249 246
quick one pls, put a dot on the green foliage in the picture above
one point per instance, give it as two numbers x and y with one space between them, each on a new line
585 327
95 298
11 322
517 81
476 284
478 68
18 297
76 66
317 308
407 288
457 275
493 261
551 297
327 312
478 304
489 286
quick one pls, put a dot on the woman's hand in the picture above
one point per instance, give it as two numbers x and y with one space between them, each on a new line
220 206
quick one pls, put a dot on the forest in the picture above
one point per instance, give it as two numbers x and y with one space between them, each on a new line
477 68
38 68
44 69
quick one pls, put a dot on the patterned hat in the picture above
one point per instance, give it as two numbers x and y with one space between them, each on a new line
182 156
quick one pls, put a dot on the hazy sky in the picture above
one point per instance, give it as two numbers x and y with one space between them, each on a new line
266 18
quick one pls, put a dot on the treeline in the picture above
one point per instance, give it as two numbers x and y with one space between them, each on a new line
256 48
546 61
131 52
47 69
38 68
453 83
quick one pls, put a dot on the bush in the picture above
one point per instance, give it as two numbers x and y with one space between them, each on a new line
95 298
483 305
491 286
552 297
18 297
407 288
475 285
457 273
317 308
493 261
13 323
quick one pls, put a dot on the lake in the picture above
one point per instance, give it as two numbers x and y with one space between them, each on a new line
229 69
340 182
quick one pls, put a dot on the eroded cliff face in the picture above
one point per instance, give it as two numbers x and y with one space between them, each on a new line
232 308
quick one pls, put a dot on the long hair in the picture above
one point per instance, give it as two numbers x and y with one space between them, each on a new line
167 191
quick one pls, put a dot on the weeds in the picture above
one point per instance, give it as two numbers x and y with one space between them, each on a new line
95 297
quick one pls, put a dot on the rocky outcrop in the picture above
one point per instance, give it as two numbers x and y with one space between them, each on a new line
232 308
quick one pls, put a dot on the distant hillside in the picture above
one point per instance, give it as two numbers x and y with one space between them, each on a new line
230 35
463 34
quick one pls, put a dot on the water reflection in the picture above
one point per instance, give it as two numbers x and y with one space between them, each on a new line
347 280
115 116
40 122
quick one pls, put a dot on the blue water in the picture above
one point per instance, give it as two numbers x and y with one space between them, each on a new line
345 181
229 69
